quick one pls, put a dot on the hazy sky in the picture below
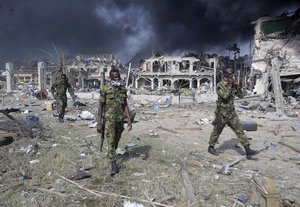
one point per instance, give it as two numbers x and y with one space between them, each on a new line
128 27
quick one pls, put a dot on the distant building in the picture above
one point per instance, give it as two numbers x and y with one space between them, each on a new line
87 70
175 72
25 75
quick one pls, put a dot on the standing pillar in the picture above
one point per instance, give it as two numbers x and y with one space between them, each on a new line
198 83
51 79
191 67
152 84
191 83
42 75
160 83
215 75
136 83
276 83
10 83
102 79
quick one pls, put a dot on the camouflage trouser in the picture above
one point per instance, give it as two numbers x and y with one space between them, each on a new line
61 106
235 125
113 132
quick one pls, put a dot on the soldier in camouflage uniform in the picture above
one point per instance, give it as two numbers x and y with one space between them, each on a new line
113 104
227 89
59 92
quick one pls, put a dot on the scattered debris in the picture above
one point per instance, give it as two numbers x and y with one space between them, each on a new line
166 129
78 175
225 170
243 199
34 161
93 125
86 115
120 151
87 163
128 203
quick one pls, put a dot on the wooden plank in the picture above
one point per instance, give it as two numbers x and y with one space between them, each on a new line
8 134
188 186
188 129
289 146
168 130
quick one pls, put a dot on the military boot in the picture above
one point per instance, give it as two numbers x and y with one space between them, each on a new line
114 168
212 150
249 152
60 118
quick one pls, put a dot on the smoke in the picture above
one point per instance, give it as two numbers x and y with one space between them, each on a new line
127 28
133 24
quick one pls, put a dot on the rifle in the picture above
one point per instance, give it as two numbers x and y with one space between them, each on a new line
218 118
103 132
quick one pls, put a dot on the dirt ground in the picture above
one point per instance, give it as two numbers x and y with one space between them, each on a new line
151 171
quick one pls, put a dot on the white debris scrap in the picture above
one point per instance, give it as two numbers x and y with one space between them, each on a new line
86 115
128 203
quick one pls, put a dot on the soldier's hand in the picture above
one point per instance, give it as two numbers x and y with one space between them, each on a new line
99 128
129 126
234 82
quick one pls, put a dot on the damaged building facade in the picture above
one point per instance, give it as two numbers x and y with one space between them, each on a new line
175 72
88 70
277 47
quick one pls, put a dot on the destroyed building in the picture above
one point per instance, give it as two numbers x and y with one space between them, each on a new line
277 46
83 71
190 72
175 72
87 70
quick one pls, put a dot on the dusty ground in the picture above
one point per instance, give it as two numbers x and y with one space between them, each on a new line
150 171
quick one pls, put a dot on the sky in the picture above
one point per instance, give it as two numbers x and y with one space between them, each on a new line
45 29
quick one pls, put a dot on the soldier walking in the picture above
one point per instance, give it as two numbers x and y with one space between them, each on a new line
113 104
59 92
227 89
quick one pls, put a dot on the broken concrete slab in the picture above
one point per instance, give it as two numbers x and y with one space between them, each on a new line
87 163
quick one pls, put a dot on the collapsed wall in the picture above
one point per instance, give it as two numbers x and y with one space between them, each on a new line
277 37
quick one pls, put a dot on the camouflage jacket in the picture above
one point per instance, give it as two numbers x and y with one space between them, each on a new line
59 89
225 102
114 99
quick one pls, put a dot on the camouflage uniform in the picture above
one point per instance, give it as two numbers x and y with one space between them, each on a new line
114 99
225 102
59 92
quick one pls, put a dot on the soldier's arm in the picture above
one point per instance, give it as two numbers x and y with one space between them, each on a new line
70 89
222 91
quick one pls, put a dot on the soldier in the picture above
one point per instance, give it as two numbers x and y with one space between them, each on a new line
227 89
113 104
59 92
